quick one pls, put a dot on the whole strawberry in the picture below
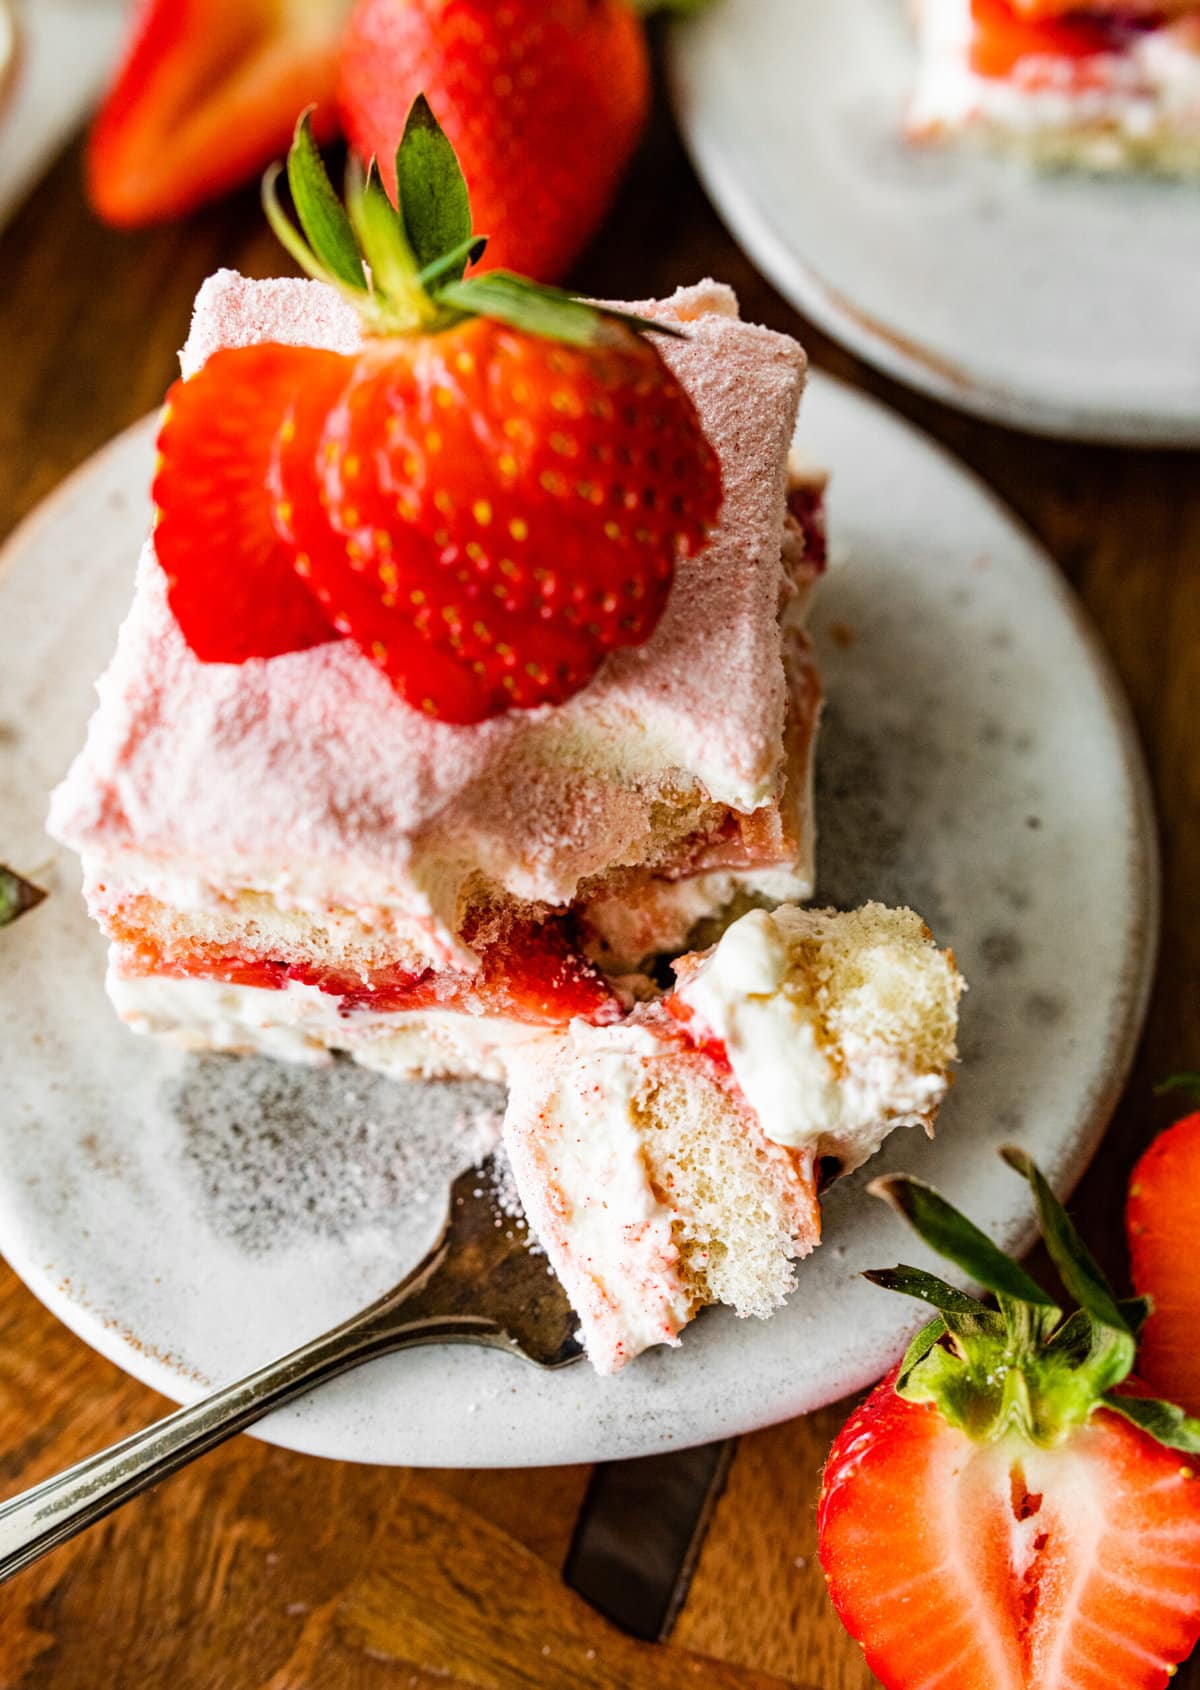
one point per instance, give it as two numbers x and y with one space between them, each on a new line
1004 1512
1162 1218
544 101
488 499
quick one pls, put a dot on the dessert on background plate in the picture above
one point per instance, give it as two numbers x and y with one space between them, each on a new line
1105 86
467 673
957 267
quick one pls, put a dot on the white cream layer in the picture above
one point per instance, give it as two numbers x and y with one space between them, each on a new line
580 1162
807 1095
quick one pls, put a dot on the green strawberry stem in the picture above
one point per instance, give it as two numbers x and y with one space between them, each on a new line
403 266
1188 1084
1027 1367
952 1235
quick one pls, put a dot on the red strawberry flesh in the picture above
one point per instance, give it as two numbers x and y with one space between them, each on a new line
232 583
531 971
1001 41
206 94
1163 1222
1004 1566
544 101
497 513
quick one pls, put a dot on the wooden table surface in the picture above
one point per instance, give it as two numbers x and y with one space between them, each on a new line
262 1568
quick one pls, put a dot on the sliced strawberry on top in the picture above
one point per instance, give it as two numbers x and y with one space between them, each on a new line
1005 1511
499 495
207 93
231 579
355 585
1162 1218
489 497
543 494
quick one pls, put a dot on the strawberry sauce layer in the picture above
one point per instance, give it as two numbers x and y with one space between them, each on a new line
1001 41
528 972
807 505
683 1020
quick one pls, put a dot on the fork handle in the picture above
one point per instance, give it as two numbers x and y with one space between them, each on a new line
49 1513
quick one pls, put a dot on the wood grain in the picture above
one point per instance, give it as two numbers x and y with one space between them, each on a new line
228 1562
516 1624
261 1568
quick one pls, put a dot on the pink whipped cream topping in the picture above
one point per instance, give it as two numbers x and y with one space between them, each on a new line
306 776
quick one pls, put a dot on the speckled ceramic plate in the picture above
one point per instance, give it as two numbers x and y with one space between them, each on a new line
190 1217
1060 303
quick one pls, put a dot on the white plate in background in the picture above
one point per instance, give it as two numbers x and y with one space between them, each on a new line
1063 303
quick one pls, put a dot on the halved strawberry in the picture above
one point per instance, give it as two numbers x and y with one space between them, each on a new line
1004 1512
231 579
1005 1566
1162 1218
207 93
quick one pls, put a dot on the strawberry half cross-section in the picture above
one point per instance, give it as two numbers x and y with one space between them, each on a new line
1007 1510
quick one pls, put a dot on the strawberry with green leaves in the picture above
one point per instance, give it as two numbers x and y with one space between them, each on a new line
544 101
488 499
1162 1219
1006 1511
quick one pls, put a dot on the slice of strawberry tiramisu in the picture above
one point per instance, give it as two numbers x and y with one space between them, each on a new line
465 667
466 674
674 1160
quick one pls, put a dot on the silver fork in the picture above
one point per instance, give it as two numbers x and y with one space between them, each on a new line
479 1284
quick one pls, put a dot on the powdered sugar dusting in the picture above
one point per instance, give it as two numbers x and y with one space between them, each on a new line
507 1199
279 1154
232 311
306 774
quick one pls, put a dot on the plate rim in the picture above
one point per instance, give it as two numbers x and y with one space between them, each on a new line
1131 998
923 369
